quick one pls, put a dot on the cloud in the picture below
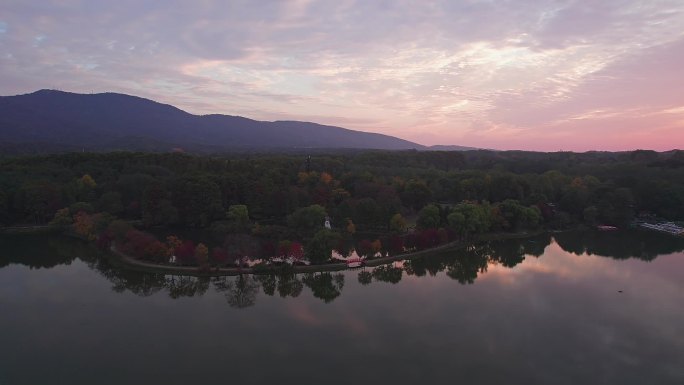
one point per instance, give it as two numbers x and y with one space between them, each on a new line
470 72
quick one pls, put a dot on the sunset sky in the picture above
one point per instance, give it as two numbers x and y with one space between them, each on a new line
525 74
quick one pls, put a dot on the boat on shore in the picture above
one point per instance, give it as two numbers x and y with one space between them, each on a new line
665 227
354 262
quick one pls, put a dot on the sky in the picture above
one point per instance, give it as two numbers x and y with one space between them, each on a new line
526 74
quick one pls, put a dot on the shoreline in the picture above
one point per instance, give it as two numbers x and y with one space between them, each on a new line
151 267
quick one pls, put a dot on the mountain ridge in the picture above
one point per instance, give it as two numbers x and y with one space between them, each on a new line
104 121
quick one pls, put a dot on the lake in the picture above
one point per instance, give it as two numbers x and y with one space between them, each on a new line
567 308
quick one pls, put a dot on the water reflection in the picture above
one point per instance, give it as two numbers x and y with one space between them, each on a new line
463 265
644 245
240 292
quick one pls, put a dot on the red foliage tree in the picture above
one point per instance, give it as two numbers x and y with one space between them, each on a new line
410 241
104 241
396 244
284 248
186 253
156 251
442 236
364 248
427 238
296 251
268 248
219 256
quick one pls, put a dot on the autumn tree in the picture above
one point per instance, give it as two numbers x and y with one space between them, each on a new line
397 223
62 219
84 225
202 256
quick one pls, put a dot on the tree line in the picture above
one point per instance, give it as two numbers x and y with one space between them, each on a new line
389 192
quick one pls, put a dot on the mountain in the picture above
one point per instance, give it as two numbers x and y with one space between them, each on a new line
98 122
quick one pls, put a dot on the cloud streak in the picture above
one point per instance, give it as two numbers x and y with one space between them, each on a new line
543 75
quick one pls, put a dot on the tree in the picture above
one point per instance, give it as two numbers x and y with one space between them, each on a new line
173 243
376 246
157 207
86 188
110 202
219 256
351 228
87 181
307 220
238 215
39 200
202 255
156 251
321 245
469 218
296 251
397 223
198 201
62 219
416 194
517 216
185 253
84 225
428 217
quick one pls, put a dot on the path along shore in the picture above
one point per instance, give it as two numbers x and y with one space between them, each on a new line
136 264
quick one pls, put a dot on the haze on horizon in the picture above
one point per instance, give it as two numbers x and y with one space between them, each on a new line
533 75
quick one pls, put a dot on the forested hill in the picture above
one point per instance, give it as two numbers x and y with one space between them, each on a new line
48 121
368 187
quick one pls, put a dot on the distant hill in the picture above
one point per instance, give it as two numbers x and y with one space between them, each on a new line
56 120
441 147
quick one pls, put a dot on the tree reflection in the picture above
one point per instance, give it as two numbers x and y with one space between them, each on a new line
365 277
186 286
268 283
536 245
624 244
388 273
463 264
325 286
507 253
141 284
466 266
240 292
289 285
31 251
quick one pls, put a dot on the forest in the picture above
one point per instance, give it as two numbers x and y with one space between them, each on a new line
397 199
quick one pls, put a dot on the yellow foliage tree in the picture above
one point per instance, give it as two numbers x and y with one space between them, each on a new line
88 181
84 225
173 242
376 246
351 228
202 255
326 178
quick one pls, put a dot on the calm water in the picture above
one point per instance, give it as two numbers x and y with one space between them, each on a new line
592 308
